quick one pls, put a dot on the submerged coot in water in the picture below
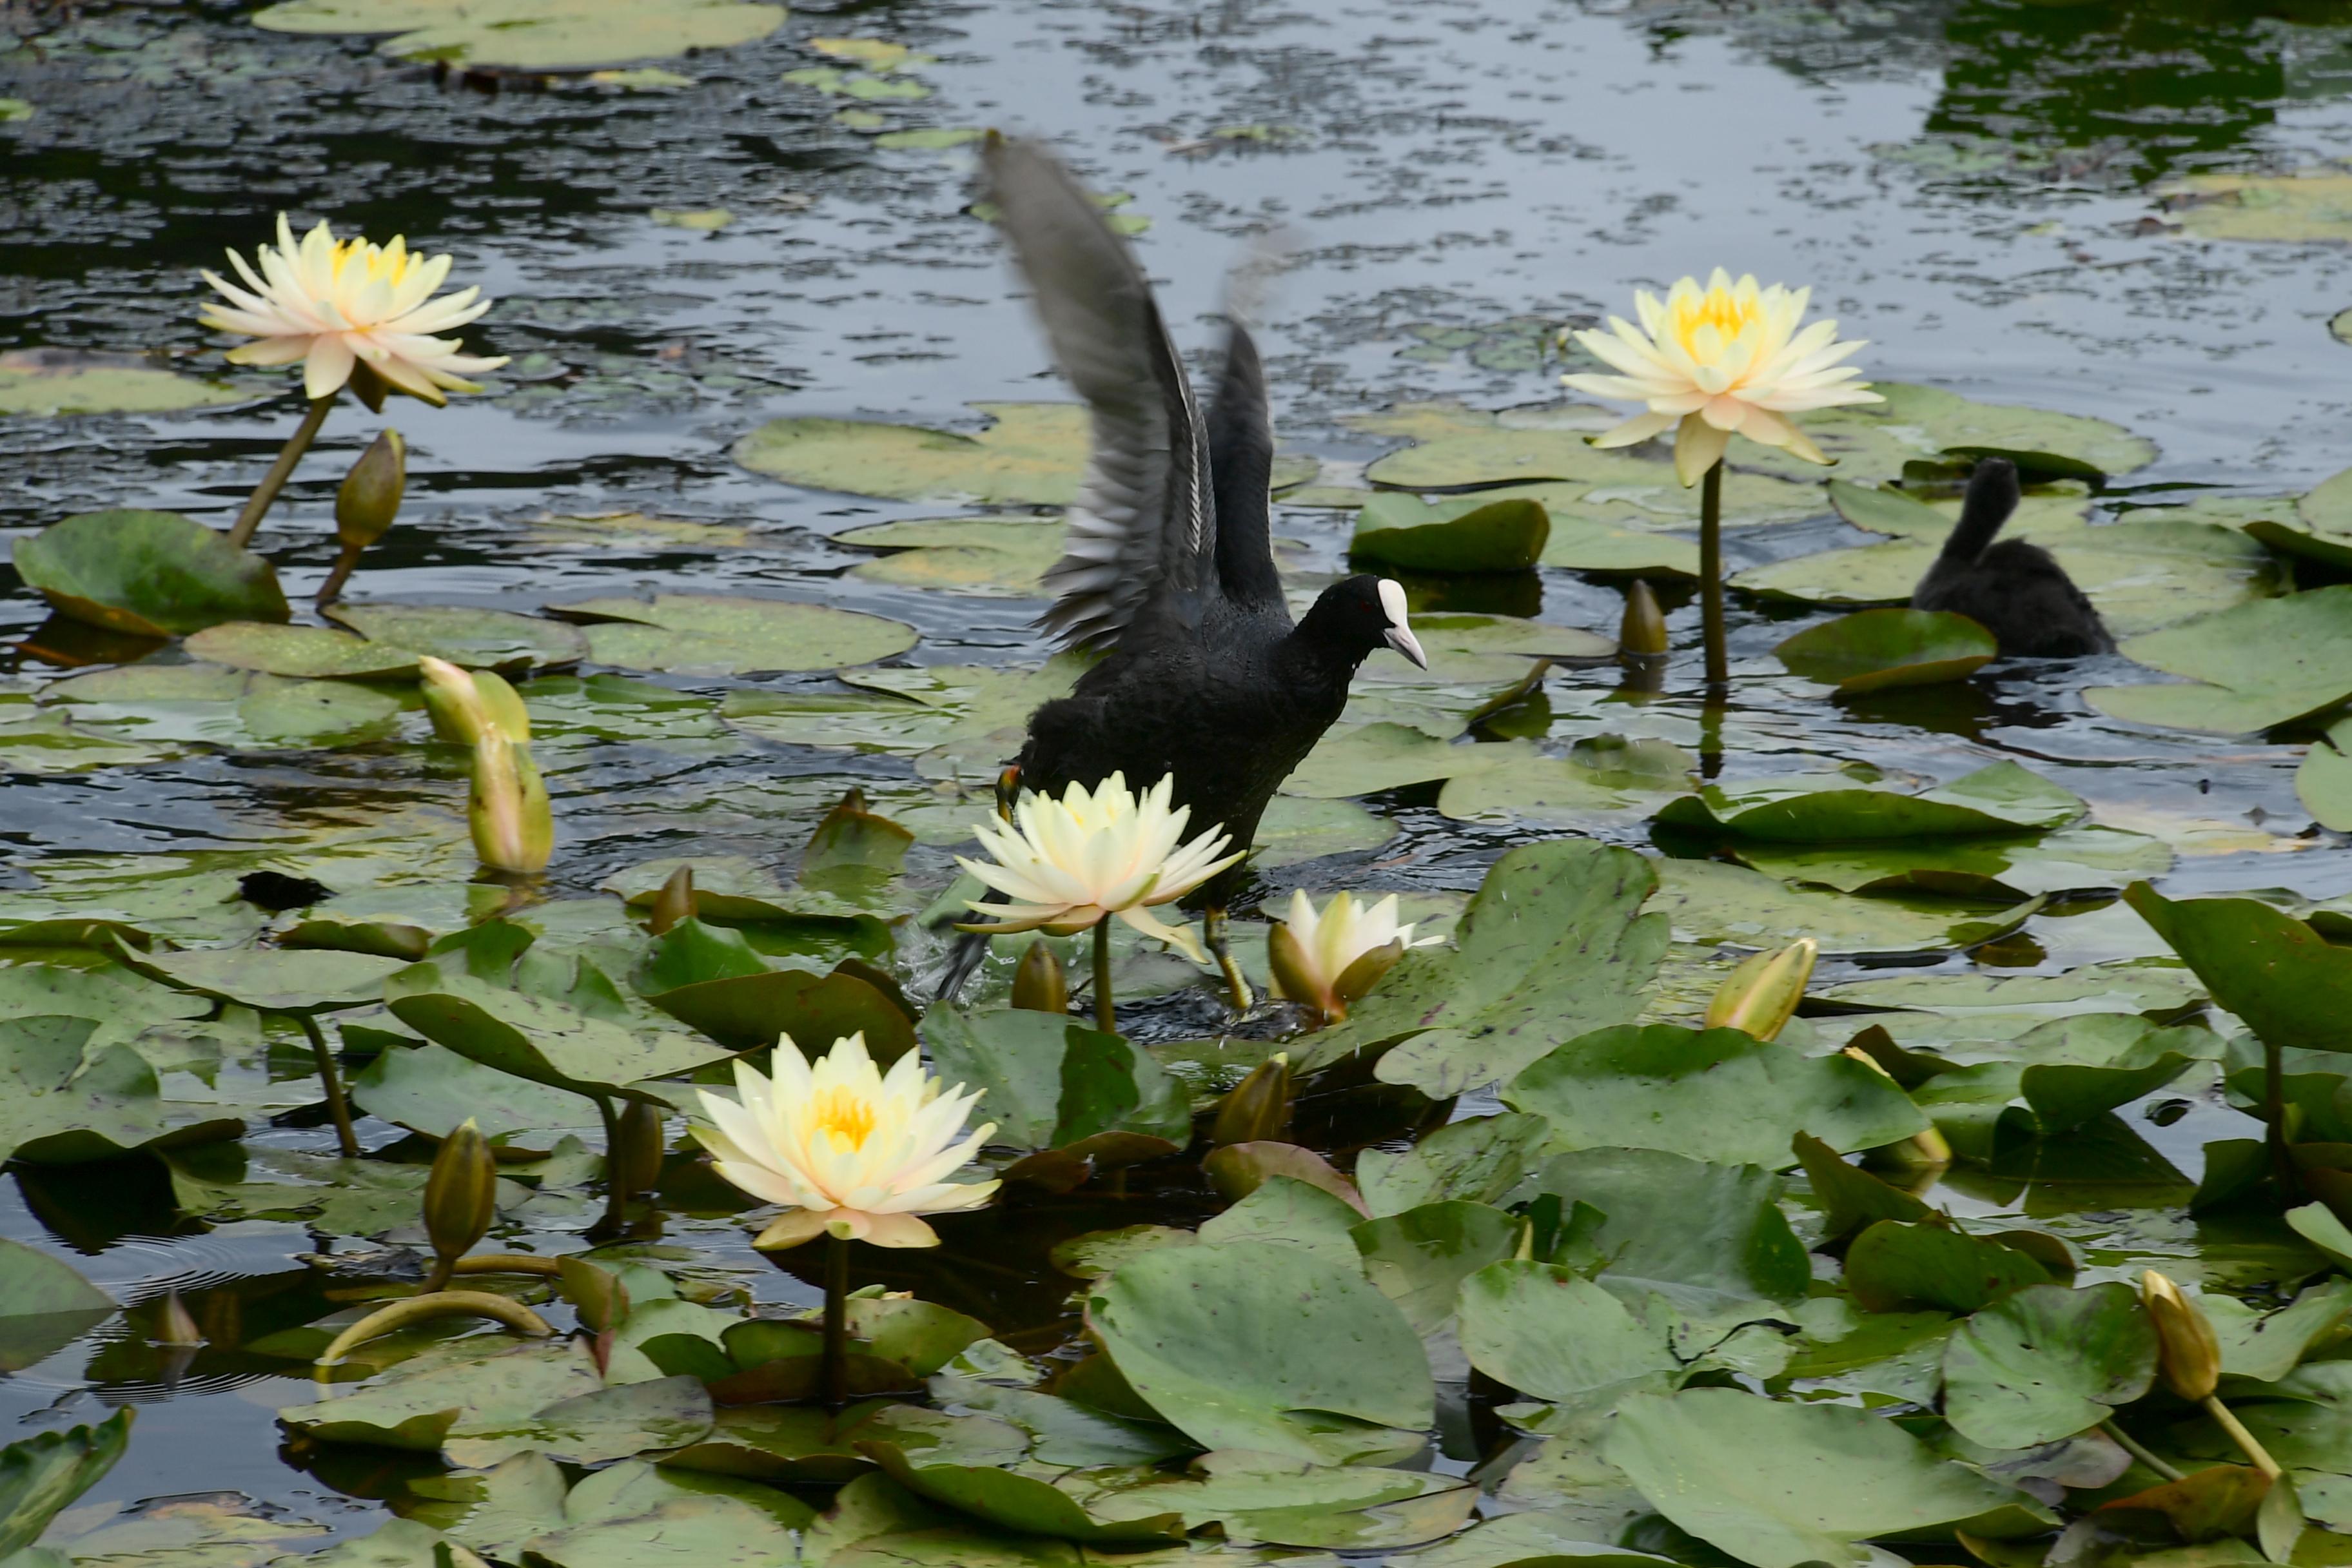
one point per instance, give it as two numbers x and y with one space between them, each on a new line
2014 590
1170 562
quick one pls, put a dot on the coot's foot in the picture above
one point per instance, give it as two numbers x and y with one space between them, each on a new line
1237 986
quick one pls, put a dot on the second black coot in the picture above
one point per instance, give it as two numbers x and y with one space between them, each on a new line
1168 563
2014 590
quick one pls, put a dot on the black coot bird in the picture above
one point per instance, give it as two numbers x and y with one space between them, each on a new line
2014 590
1170 560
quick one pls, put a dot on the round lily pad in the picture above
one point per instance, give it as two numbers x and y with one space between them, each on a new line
271 980
723 635
1469 535
215 705
2318 527
466 635
73 381
155 574
2312 206
2257 664
1872 650
962 554
1030 455
533 35
305 653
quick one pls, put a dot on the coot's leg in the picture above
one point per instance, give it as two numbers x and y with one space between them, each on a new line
1237 987
971 950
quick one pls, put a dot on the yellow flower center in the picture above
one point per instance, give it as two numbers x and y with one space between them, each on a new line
846 1116
1727 312
392 262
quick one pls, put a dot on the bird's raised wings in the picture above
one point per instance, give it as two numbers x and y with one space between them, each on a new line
1143 532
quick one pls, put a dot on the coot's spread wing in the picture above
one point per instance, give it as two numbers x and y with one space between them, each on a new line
1142 533
1240 463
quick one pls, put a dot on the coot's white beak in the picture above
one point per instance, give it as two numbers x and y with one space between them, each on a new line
1400 633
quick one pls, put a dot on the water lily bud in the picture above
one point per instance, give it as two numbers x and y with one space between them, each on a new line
465 704
1040 986
1258 1107
1761 995
370 497
1329 958
675 902
2187 1352
1642 632
461 1195
506 809
1928 1148
174 1325
634 1163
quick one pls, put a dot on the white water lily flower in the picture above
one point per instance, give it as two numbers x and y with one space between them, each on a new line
855 1152
1089 855
335 304
1722 361
1330 959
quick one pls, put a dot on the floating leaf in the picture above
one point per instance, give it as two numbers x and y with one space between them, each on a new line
434 1091
1707 901
43 1306
73 381
1251 1345
209 704
1556 1337
1873 650
2287 982
304 653
485 1383
1029 455
1012 1501
64 1102
1293 1212
2324 782
2047 1363
1705 1238
1419 1257
1472 535
1813 808
968 718
155 574
717 633
962 554
1050 1081
1259 1497
1478 1159
1713 1094
41 1475
470 638
2260 665
36 740
589 1428
1894 1267
2309 206
532 35
1551 947
701 220
1997 869
1777 1484
271 980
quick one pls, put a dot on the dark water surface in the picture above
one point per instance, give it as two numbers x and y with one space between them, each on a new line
1968 184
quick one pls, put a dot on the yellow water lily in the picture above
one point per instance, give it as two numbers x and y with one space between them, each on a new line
854 1153
1729 359
1063 865
1329 958
337 304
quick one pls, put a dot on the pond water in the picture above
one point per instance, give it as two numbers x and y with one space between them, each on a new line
1982 188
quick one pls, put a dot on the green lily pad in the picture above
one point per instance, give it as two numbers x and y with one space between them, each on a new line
41 740
2324 782
532 35
1012 1501
2311 205
434 1091
2266 1346
63 1102
1707 901
1552 947
43 1306
1555 1336
1293 1212
592 1428
1713 1094
1777 1484
2260 665
303 653
1254 1345
1284 1502
271 980
467 636
229 1181
992 556
1708 1240
2047 1363
1873 650
1873 441
1479 1160
1471 536
1031 454
1419 1257
481 1383
42 1474
2287 982
73 381
1998 869
1050 1081
2318 527
1898 1266
154 573
209 704
721 634
806 1444
1813 808
968 718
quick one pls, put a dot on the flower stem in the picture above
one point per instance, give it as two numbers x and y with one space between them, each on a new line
2283 1169
2131 1446
616 1194
837 1322
333 588
1710 574
256 506
337 1106
2245 1439
1106 1019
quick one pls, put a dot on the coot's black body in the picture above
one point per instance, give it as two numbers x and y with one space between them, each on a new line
2014 590
1170 560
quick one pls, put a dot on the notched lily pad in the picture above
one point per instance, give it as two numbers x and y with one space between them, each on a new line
154 574
466 635
1873 650
533 35
723 635
991 555
74 380
302 653
1029 455
1819 808
1469 535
